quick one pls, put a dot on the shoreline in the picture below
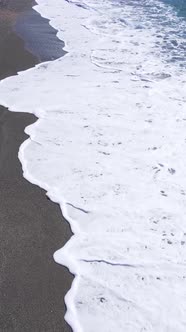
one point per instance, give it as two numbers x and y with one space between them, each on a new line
32 285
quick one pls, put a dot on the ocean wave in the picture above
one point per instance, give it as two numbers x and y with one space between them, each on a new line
109 147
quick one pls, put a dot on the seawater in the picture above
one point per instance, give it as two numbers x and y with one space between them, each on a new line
178 5
109 147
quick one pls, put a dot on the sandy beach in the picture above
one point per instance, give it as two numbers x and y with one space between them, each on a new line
109 147
32 285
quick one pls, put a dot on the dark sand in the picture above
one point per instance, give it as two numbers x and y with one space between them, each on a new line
32 285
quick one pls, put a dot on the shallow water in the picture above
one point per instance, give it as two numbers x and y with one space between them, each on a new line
109 147
40 38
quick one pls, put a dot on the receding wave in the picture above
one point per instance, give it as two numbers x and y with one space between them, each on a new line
109 147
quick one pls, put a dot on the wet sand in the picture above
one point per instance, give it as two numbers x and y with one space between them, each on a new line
32 285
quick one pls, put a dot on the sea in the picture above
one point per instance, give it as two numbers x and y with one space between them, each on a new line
109 146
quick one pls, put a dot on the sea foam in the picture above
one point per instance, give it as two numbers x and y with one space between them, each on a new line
109 147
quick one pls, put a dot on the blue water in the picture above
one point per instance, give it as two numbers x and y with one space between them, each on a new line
169 21
178 5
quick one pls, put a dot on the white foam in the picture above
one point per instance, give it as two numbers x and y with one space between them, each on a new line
109 147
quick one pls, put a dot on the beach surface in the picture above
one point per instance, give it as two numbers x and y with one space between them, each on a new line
32 285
